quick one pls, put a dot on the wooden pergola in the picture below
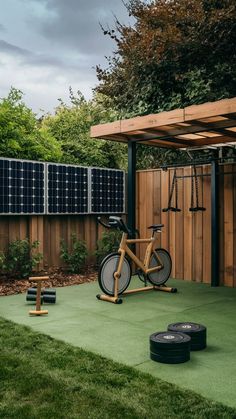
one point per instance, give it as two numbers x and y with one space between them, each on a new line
211 124
194 126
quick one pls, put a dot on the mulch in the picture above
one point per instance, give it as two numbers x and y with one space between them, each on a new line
58 278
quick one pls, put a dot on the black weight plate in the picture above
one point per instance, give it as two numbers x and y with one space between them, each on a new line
33 298
170 359
198 346
165 340
156 347
32 291
187 327
49 291
196 331
51 299
170 352
30 297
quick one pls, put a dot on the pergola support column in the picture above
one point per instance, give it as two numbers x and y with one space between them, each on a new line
215 266
131 185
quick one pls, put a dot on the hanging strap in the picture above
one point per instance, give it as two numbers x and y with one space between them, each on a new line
194 180
177 209
174 186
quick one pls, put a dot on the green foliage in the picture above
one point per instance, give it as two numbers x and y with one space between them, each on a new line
2 261
70 126
177 53
63 137
76 258
20 258
108 243
20 135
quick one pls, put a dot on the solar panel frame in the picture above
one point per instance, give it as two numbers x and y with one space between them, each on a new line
123 191
45 196
19 184
48 190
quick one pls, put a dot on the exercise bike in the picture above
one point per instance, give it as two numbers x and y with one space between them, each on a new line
115 271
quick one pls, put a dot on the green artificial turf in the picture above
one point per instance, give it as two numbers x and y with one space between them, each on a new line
41 377
121 332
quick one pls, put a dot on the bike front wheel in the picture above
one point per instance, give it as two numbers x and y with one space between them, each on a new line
160 258
106 272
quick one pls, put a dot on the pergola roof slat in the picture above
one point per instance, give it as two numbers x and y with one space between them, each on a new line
154 120
221 107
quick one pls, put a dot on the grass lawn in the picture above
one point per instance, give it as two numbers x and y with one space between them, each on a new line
41 377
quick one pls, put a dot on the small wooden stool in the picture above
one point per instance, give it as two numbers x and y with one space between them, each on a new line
38 280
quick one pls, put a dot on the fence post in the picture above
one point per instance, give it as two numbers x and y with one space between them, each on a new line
215 226
131 184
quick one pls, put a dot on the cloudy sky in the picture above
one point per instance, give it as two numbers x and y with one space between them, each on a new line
48 45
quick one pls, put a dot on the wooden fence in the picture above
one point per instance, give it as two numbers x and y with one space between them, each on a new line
50 230
187 235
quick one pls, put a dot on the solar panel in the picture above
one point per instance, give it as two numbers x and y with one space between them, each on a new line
67 191
107 191
21 187
28 187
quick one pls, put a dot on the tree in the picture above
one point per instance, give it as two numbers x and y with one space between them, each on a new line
70 126
20 135
177 53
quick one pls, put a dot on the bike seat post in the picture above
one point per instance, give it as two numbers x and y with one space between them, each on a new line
123 240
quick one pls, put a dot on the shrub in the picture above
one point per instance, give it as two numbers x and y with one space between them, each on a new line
2 262
108 243
21 258
75 259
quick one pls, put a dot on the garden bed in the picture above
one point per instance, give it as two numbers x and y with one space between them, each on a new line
58 278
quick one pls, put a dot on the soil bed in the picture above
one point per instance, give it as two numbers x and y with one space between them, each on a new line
58 278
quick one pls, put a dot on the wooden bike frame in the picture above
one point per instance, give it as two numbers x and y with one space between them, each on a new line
143 265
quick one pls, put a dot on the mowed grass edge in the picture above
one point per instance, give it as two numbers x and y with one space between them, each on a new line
41 377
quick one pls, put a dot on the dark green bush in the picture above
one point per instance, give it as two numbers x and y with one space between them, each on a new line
75 259
2 261
108 243
20 258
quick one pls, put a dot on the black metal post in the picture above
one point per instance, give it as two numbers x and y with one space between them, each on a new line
131 185
215 266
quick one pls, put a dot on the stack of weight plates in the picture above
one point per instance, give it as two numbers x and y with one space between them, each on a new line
197 333
170 347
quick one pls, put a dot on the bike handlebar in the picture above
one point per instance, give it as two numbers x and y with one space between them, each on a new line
118 223
102 223
115 222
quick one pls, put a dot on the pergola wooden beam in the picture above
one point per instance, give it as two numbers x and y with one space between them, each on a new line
163 129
